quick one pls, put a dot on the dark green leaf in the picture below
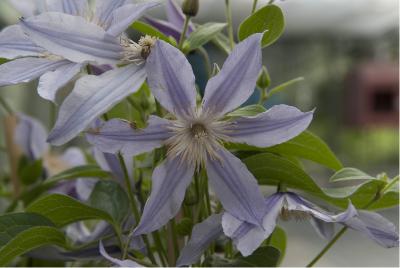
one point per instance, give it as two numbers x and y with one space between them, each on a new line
278 241
184 226
203 34
145 28
62 210
30 172
264 79
269 18
222 42
265 256
250 110
3 60
110 197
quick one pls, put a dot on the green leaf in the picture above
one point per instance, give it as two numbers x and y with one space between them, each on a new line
265 256
203 34
30 239
184 226
3 60
63 210
110 197
348 174
13 224
268 20
278 240
284 85
222 42
30 172
145 28
249 110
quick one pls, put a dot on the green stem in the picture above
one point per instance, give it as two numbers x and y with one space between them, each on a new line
228 12
160 248
6 106
263 96
253 9
174 239
206 58
183 35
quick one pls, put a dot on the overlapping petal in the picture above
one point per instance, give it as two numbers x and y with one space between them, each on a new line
171 79
236 81
52 81
236 187
72 37
121 136
104 10
110 162
279 124
176 17
72 7
15 43
91 97
203 234
29 8
27 69
165 27
169 183
117 262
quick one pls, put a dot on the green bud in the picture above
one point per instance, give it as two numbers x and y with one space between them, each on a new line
190 7
263 80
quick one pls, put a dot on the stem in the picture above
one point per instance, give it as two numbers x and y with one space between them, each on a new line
160 248
6 106
183 35
206 58
253 9
263 96
229 21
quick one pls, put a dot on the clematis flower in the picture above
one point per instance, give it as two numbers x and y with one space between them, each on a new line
117 262
288 205
56 45
194 137
173 26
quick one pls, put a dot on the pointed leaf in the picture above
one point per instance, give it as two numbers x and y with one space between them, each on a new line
204 33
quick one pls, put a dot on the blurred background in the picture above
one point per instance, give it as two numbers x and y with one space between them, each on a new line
348 53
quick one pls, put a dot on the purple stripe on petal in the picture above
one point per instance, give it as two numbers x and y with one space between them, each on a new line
91 97
324 229
236 187
176 17
279 124
236 81
104 10
165 27
169 183
203 234
72 7
120 136
171 79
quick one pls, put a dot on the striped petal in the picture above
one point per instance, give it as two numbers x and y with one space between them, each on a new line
74 7
279 124
175 16
27 69
203 234
51 82
104 11
165 27
118 135
169 183
15 43
91 97
171 79
236 187
236 81
117 262
29 8
72 37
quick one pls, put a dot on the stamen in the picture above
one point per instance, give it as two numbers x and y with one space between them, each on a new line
298 215
137 52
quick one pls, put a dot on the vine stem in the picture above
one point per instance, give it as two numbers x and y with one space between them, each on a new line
183 35
229 21
253 9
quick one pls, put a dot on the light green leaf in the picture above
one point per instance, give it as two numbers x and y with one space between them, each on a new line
203 34
265 256
30 239
250 110
222 42
63 210
268 19
110 197
145 28
347 174
278 240
283 86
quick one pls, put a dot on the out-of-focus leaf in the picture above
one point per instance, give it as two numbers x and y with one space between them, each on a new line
265 256
184 226
3 60
282 86
145 28
268 19
30 172
278 240
110 197
348 174
203 34
250 110
62 210
222 42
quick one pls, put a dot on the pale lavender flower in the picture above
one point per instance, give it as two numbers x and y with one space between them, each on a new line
288 205
115 261
194 137
173 26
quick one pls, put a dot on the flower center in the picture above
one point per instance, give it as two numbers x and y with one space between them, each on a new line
198 131
137 52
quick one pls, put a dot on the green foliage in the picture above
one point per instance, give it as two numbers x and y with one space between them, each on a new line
30 172
264 80
145 28
278 240
110 197
284 85
250 110
268 20
222 42
184 226
62 210
264 256
203 34
348 174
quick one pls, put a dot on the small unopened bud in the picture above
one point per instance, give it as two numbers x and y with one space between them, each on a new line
190 7
263 80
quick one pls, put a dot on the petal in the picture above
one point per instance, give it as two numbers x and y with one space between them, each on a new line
165 27
279 124
171 79
52 81
72 37
125 15
75 7
118 135
375 227
26 69
236 81
324 229
15 43
203 234
84 188
169 183
73 157
248 237
236 187
118 262
176 17
91 97
30 135
104 10
29 8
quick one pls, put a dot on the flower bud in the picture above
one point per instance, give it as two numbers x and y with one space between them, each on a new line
190 7
263 80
